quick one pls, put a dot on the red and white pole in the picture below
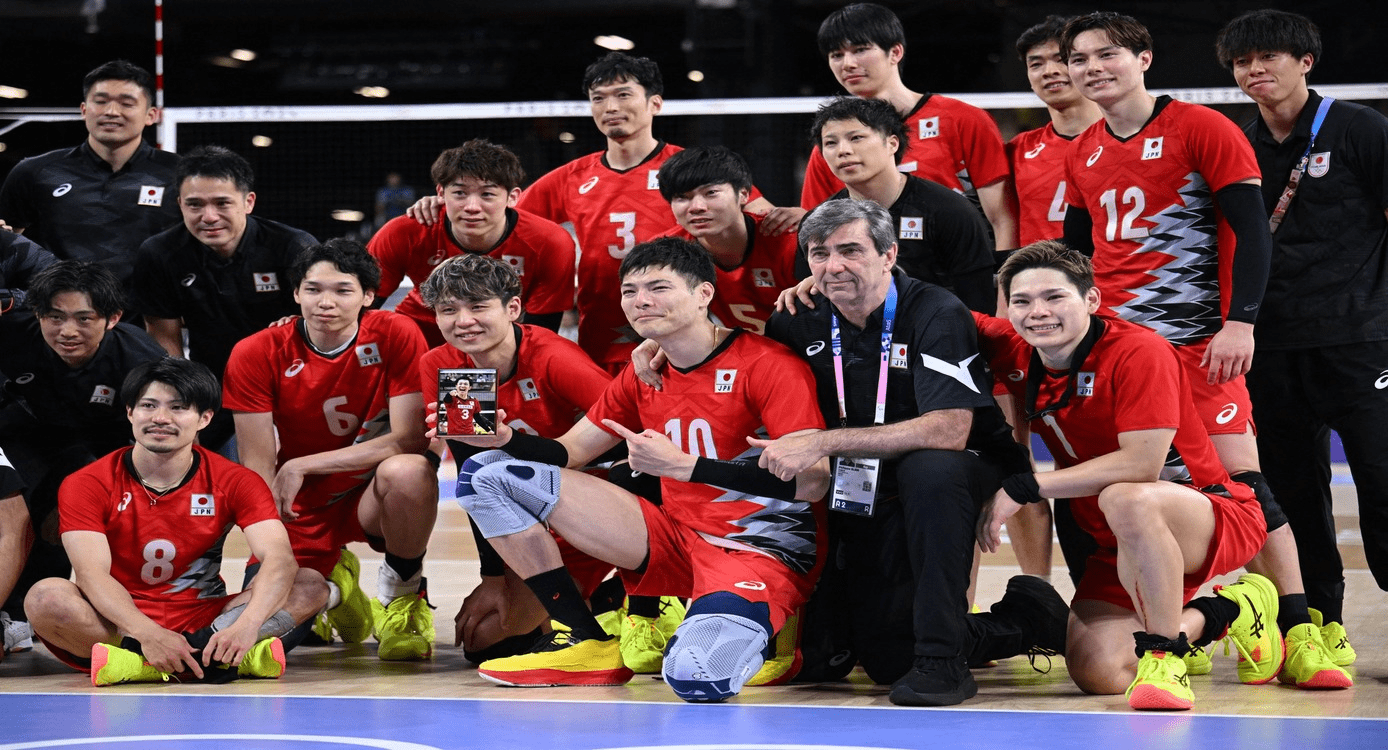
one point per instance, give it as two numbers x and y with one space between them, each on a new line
159 65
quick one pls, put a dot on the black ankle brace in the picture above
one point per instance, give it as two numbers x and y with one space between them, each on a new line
1145 641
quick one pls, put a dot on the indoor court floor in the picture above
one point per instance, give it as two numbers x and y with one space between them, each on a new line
342 696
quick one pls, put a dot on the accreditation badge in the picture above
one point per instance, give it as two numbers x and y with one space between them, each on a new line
855 485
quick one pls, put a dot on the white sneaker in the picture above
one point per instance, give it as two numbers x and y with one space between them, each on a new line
18 635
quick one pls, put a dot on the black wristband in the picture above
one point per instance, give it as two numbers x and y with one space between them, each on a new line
1022 488
741 477
529 447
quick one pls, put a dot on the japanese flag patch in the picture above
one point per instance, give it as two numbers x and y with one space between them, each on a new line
929 128
1084 384
202 505
151 195
516 262
723 381
103 394
528 390
266 282
369 354
898 359
911 228
1319 164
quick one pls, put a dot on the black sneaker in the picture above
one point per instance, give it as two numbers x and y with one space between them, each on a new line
1035 607
935 681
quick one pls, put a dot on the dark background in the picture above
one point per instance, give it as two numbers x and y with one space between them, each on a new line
319 51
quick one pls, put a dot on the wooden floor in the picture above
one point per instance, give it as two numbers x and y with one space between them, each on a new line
342 670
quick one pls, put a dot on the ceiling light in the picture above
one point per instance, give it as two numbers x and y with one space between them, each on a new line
696 75
613 42
261 141
244 55
10 92
566 137
372 92
348 214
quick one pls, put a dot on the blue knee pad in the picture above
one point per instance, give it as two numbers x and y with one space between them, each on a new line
718 648
504 495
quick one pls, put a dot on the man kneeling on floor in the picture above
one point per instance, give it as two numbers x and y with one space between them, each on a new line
745 546
1110 400
144 527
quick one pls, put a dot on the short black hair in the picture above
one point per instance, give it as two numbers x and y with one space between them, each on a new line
192 381
1121 30
877 114
1049 30
120 70
470 278
216 162
695 167
1268 31
480 159
348 256
1048 254
619 66
92 279
861 23
688 259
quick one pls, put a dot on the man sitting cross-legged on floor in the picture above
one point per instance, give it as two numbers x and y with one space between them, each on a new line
144 528
745 546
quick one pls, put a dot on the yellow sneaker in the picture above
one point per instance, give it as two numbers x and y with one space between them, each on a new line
352 618
1198 661
785 663
1335 639
322 632
643 639
1161 684
265 659
112 665
560 658
405 629
1254 632
1309 665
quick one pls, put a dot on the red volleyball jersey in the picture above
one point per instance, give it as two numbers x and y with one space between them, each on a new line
324 403
1162 252
1038 160
540 252
750 386
745 296
165 550
947 142
553 385
1132 380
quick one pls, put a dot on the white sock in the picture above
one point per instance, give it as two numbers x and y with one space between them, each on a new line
390 587
334 595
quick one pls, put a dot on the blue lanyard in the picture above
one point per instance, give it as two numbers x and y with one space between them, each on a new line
1285 200
836 346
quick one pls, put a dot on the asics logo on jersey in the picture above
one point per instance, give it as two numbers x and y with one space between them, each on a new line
1380 384
294 368
1226 415
62 189
589 185
124 501
1094 156
751 585
959 372
28 377
1016 375
818 347
189 279
1032 154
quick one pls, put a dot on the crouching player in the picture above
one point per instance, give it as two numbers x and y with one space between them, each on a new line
1110 398
745 546
144 528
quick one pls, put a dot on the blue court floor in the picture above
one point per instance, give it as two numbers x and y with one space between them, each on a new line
164 722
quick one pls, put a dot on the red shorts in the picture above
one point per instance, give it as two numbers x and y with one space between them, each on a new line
682 563
1239 533
318 534
181 616
1224 408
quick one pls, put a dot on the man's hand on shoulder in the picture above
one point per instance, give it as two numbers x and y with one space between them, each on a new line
425 210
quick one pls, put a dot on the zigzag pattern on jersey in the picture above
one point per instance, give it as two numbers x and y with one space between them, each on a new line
1181 302
204 574
785 529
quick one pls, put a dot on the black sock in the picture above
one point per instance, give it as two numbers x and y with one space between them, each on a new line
130 644
198 638
608 596
1291 611
405 567
1218 612
556 591
644 606
1145 642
